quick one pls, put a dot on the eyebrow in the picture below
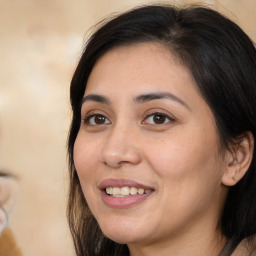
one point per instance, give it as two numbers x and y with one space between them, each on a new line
138 100
159 95
97 98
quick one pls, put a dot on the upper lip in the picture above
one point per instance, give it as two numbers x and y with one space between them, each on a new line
122 183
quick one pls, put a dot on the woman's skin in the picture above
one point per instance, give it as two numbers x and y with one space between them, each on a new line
145 125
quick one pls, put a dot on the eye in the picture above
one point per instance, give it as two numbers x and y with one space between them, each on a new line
158 119
96 119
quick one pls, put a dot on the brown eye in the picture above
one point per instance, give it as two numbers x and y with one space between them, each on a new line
158 119
97 120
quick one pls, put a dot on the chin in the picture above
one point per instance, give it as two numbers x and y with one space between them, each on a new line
124 228
120 240
122 236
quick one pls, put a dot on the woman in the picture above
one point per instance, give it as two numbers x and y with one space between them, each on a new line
161 145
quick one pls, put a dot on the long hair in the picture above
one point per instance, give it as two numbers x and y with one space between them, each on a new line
222 61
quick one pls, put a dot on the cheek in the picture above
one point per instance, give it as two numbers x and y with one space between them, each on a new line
189 181
186 163
85 155
85 160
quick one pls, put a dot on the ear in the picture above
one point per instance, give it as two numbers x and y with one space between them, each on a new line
238 159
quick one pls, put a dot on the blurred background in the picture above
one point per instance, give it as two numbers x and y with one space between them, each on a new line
40 44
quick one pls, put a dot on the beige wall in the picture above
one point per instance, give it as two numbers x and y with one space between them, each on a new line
40 43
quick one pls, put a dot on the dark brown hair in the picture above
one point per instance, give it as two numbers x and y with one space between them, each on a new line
222 60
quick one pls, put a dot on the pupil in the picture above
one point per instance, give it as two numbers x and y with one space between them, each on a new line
99 119
159 119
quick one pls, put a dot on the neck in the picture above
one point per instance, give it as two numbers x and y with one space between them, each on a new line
190 244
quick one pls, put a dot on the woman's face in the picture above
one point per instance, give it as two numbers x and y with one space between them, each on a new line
147 152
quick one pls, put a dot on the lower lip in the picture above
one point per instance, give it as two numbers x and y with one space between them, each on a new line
123 202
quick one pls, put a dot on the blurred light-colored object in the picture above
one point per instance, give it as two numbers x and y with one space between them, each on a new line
8 193
8 245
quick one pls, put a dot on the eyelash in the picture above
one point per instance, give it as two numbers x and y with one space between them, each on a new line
90 117
167 119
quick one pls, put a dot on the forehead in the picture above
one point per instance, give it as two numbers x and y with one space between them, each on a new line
142 66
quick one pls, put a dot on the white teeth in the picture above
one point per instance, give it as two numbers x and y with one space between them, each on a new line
141 191
125 191
109 190
133 191
116 191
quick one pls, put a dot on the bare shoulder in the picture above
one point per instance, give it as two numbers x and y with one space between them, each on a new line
246 248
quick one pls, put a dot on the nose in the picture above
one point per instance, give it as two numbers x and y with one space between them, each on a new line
120 148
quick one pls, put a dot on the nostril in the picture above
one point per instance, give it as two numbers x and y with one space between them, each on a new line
115 157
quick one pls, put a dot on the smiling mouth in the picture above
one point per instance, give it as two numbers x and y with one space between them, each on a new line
126 191
123 193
